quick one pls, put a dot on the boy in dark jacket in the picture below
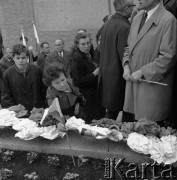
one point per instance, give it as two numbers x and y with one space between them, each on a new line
22 83
70 99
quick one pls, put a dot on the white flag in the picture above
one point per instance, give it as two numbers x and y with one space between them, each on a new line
35 33
23 37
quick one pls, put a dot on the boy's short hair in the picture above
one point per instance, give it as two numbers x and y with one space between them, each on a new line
18 49
51 72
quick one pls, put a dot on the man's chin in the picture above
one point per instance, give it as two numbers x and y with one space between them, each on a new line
21 66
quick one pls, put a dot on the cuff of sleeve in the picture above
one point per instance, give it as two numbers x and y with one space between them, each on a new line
125 63
151 76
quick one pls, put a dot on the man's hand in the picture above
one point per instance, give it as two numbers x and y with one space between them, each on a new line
136 76
96 72
127 72
76 111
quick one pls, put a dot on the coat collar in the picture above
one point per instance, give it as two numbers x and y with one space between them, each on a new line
120 16
154 19
71 95
10 62
59 57
43 53
23 73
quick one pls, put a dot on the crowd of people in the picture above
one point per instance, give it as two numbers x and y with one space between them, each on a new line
132 70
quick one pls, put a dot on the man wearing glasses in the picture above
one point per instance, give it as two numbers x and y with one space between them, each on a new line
113 41
150 57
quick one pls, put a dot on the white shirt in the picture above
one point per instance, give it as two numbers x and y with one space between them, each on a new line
61 54
151 12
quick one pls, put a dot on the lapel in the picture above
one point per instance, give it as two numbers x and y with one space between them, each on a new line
43 54
153 20
8 63
58 57
64 56
119 16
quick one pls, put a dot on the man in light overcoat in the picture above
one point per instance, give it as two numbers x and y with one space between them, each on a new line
150 55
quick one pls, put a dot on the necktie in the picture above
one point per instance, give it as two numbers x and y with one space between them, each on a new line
143 20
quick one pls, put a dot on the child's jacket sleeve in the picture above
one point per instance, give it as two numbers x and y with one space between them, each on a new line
50 96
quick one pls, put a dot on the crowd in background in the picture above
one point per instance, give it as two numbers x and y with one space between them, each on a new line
133 46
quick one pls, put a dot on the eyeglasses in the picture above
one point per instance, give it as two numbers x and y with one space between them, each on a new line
85 44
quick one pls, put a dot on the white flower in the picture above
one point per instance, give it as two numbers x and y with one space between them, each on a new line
138 143
73 123
156 149
170 149
164 150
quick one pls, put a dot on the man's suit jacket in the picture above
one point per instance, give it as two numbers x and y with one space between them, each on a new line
63 62
5 64
153 51
41 60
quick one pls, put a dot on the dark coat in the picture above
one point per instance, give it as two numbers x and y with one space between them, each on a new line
41 60
1 45
111 83
171 5
97 55
67 100
5 64
62 62
23 89
82 73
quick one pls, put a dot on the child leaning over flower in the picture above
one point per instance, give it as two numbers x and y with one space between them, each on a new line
70 99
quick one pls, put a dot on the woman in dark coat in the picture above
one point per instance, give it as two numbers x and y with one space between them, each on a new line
85 75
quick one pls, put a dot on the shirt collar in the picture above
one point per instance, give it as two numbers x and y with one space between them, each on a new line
8 59
60 53
151 12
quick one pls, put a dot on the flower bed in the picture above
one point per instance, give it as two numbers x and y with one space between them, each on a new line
51 167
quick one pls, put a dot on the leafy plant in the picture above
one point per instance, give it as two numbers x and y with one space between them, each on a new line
71 176
32 156
5 173
7 155
81 160
53 160
32 176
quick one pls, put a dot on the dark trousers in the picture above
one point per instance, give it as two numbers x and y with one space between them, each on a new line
111 114
127 117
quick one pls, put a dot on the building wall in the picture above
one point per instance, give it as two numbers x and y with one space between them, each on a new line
53 18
